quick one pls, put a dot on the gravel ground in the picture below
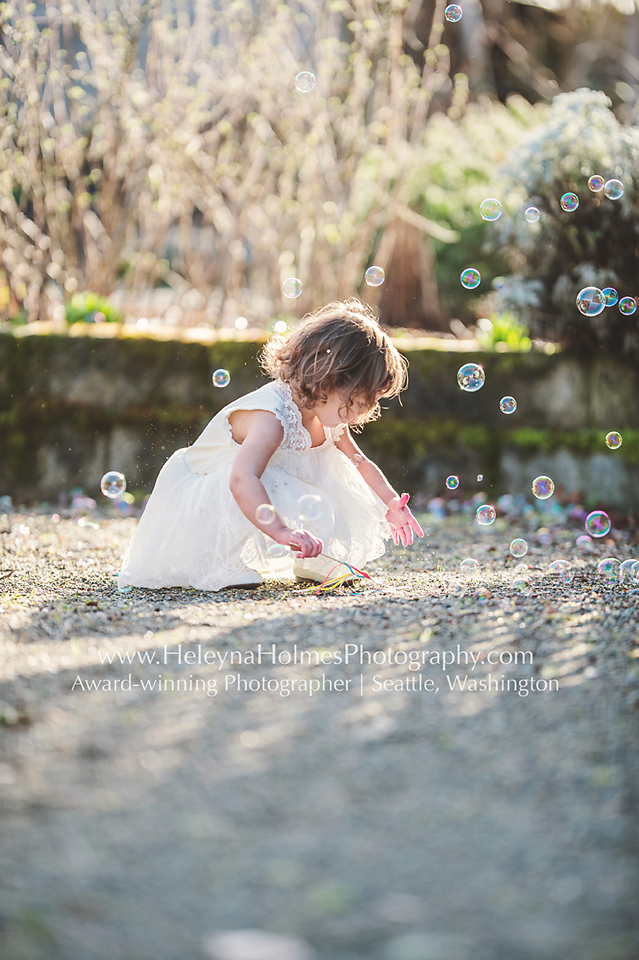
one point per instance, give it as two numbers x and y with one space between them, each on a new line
391 823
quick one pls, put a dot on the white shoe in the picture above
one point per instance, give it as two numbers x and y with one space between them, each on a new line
245 581
319 568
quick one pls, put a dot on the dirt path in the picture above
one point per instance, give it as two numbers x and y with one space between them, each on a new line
392 824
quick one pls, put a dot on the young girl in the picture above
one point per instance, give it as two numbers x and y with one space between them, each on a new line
279 466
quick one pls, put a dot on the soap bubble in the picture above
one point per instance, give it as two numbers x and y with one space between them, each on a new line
471 377
614 189
241 323
518 547
305 81
482 593
609 568
596 183
453 12
265 513
543 487
490 209
562 570
627 306
480 477
113 484
277 551
280 326
597 523
532 214
507 404
374 276
452 482
221 378
521 585
292 288
544 536
627 570
613 440
590 301
610 296
309 507
584 542
569 202
469 567
470 278
486 514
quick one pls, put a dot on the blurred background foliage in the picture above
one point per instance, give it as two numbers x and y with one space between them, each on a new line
163 146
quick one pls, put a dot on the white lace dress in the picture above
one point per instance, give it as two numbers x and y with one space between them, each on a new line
192 532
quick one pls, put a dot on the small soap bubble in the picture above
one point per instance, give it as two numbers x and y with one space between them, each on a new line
614 189
532 214
305 81
613 440
485 514
471 377
569 202
265 513
142 323
518 547
610 296
469 567
113 484
596 183
627 570
470 278
374 276
221 378
590 301
309 507
241 323
544 536
482 593
597 523
543 487
280 326
561 570
584 542
452 482
277 551
292 288
490 209
480 477
507 404
453 12
521 585
627 306
498 284
609 568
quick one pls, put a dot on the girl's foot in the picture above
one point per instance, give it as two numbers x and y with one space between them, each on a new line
317 569
250 580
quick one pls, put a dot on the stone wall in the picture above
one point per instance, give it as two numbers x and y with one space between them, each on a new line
73 407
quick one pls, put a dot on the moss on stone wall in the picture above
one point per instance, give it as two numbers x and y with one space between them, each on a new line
68 399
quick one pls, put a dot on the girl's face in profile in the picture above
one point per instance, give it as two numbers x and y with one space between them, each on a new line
329 413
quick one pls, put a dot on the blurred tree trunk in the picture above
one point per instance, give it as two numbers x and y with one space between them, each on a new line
409 297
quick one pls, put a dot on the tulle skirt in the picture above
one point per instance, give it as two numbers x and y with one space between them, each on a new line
192 532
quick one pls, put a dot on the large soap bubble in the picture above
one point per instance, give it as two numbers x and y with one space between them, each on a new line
113 484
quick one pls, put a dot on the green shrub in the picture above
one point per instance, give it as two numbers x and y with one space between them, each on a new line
503 331
84 307
596 245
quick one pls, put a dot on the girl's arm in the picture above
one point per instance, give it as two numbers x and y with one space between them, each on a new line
400 518
260 434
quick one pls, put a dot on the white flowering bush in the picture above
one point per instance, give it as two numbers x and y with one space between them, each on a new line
597 244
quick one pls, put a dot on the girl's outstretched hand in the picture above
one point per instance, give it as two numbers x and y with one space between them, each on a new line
402 522
306 543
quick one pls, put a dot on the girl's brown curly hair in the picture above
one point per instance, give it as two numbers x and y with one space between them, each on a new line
340 347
